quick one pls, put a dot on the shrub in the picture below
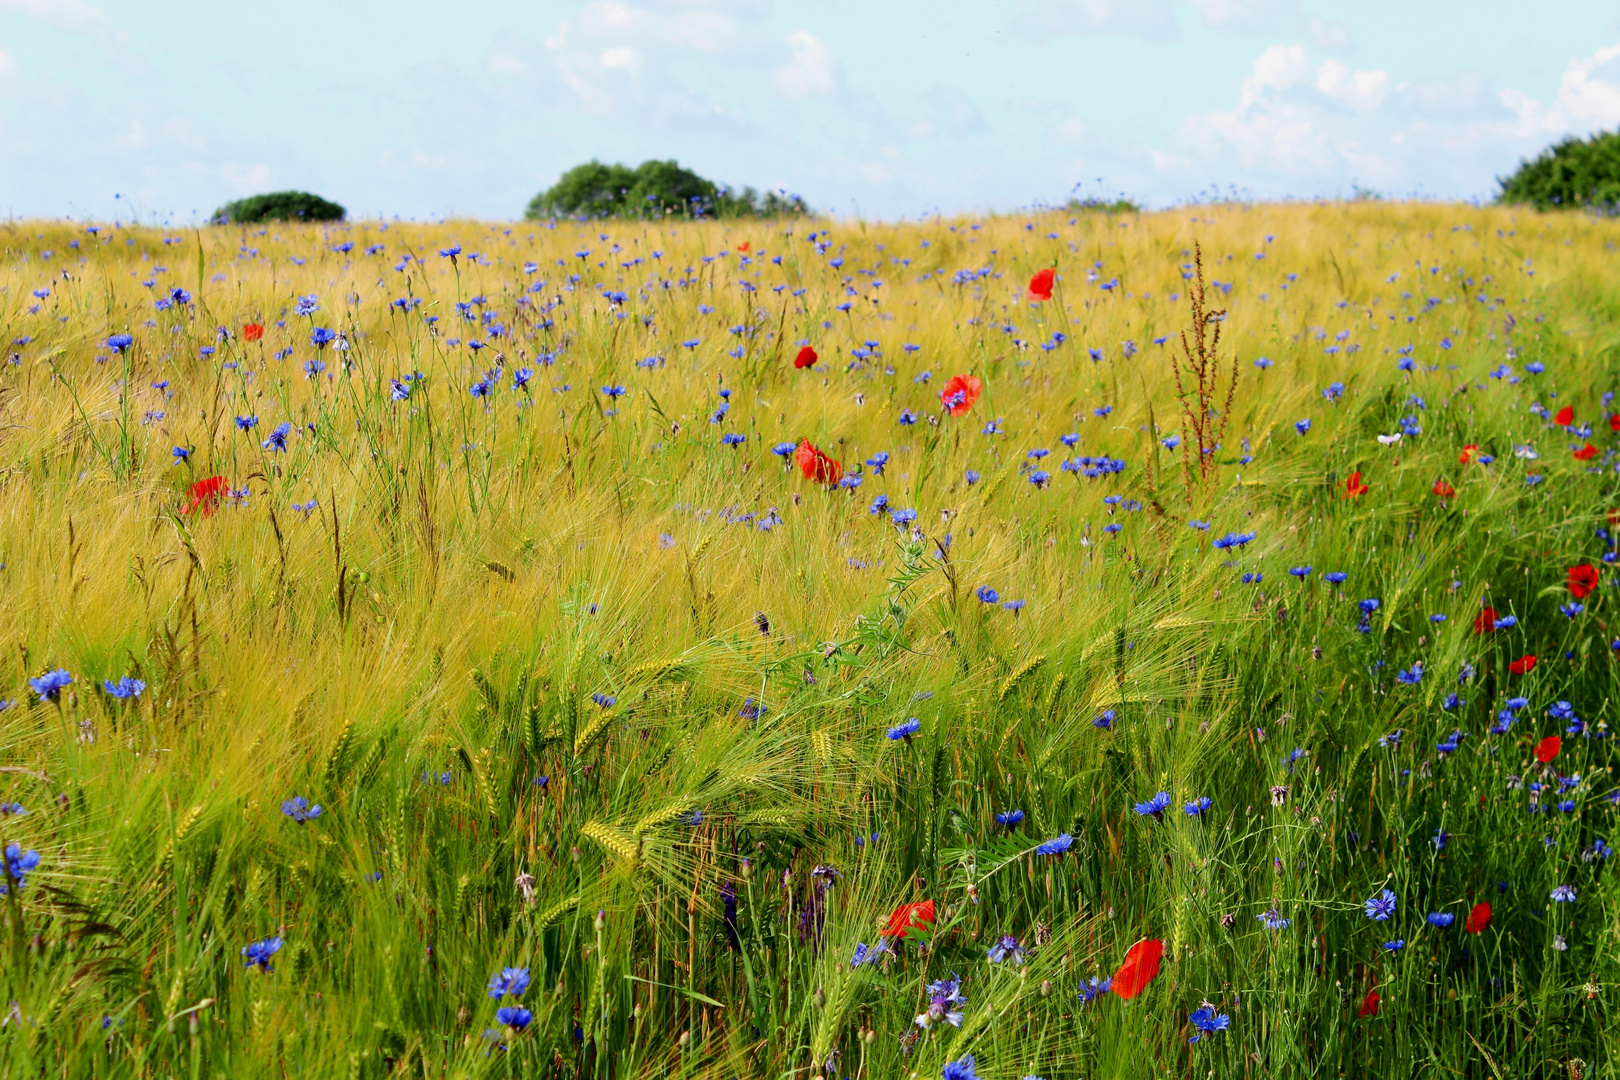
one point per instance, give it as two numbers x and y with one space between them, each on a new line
1574 172
653 189
278 206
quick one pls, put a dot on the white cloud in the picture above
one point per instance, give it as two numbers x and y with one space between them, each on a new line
811 72
8 66
1358 89
1588 98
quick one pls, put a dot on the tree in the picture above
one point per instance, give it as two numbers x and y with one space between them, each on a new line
654 189
278 206
1572 173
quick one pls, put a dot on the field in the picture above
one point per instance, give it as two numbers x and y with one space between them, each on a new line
510 561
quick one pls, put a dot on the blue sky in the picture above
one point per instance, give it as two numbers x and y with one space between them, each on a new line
882 108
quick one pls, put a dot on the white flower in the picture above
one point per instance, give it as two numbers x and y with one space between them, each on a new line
1390 440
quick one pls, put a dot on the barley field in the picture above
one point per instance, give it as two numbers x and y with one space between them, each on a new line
469 649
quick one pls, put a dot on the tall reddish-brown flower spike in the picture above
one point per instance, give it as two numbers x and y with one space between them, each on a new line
1565 417
1524 665
1443 489
1547 749
1485 621
815 465
1369 1004
1353 487
960 392
1586 453
1470 454
1141 966
1583 580
909 917
1478 919
1040 286
253 331
807 358
206 494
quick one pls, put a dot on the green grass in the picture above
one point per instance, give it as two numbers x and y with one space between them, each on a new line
419 648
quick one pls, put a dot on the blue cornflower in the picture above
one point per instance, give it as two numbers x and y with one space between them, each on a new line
1411 676
1441 919
278 438
259 953
878 462
1301 572
1381 907
181 453
450 252
1007 948
1208 1021
1009 818
1056 846
16 809
119 342
49 685
19 864
1014 606
971 476
1302 426
1197 806
1368 606
124 688
1564 894
904 731
1154 807
864 955
902 518
320 337
1394 946
1273 919
784 449
1571 609
509 981
247 423
960 1069
1094 988
514 1017
606 701
1337 577
1452 702
1104 719
732 438
986 594
299 810
307 305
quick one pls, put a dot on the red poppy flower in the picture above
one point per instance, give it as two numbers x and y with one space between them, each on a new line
1478 919
1470 454
1548 748
1040 286
807 358
743 247
1583 579
206 494
960 392
1443 489
1586 453
1614 422
1565 417
1523 665
816 465
1369 1004
253 331
1354 487
1485 621
1141 966
909 917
